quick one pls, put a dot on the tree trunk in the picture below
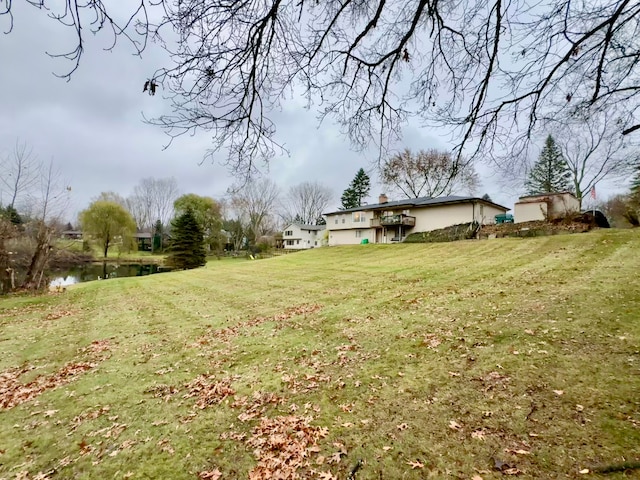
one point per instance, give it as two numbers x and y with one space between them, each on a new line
5 270
35 273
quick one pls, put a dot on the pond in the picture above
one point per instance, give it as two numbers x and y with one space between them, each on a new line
101 271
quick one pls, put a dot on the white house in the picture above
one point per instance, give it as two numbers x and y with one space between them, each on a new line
388 222
296 236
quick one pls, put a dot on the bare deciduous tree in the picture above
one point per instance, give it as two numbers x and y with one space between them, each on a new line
306 202
20 173
490 69
50 203
594 150
430 173
255 204
152 200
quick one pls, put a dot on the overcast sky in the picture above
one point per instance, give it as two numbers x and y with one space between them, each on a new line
93 130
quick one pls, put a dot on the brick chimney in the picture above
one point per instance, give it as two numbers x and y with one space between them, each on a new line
383 198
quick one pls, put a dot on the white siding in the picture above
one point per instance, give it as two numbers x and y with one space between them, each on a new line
529 212
349 237
301 238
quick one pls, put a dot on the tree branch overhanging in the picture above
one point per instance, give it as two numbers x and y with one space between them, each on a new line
488 70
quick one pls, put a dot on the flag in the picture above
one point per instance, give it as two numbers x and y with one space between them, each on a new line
593 192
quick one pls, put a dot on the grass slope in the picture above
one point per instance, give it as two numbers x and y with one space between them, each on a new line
464 360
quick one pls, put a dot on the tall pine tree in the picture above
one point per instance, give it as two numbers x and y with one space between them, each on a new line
187 242
550 173
357 191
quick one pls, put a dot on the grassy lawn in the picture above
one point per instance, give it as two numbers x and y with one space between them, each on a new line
474 359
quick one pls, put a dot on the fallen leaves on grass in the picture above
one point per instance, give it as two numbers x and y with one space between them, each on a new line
211 475
519 451
162 391
282 446
415 464
256 405
96 347
453 425
209 390
13 392
90 415
227 333
58 314
431 341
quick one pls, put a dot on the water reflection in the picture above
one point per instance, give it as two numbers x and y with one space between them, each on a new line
90 272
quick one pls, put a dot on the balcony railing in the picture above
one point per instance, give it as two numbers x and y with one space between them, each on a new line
393 220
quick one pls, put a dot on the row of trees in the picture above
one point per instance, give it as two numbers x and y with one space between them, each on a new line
250 213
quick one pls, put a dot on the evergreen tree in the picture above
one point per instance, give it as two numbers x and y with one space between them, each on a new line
158 232
187 243
357 191
11 214
487 197
550 173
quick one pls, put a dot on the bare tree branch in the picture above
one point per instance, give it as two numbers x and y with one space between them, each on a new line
306 202
492 71
429 173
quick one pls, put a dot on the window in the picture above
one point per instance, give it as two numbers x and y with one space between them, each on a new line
315 243
288 233
297 242
290 242
359 217
343 220
336 221
358 233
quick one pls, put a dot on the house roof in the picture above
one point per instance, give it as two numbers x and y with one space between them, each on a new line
142 235
419 202
303 226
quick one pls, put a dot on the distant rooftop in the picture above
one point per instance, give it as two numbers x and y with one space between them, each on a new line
418 202
304 226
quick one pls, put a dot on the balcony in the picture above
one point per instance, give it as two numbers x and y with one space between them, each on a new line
393 220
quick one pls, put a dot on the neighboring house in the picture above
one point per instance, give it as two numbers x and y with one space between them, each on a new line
296 236
144 241
545 206
72 234
388 222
